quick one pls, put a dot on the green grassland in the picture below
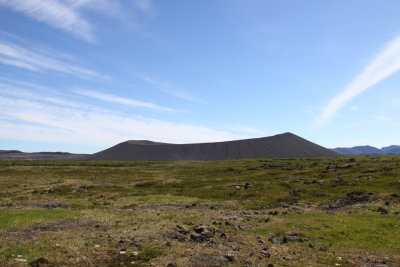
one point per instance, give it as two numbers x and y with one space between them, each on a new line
338 212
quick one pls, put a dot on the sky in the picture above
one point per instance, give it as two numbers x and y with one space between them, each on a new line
83 75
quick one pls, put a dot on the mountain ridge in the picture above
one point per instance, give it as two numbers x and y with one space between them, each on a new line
285 145
369 150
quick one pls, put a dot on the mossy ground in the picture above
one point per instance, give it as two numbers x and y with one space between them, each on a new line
125 213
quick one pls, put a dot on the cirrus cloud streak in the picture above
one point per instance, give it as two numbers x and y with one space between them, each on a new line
382 66
55 13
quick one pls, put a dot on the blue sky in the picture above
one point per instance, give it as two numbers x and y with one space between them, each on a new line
82 75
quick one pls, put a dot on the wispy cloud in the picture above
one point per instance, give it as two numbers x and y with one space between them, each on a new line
12 36
16 63
19 93
55 13
71 15
15 55
144 4
170 89
71 121
382 66
122 100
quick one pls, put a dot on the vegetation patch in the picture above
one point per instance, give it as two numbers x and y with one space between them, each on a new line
285 212
14 219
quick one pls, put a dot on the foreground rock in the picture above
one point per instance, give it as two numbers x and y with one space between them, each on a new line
199 234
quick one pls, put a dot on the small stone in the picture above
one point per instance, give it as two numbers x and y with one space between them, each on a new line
339 258
274 239
171 265
290 238
205 231
230 257
245 226
39 262
382 210
265 254
294 233
183 228
247 185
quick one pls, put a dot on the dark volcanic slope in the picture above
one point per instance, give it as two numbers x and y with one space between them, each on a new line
285 145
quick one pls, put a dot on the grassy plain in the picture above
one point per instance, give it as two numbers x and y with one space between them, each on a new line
276 212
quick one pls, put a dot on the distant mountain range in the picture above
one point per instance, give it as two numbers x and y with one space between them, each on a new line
369 150
19 155
286 145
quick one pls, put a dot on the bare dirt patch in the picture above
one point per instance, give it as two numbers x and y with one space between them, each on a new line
69 224
48 204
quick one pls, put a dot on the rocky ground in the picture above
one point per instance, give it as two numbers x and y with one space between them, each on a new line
310 212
